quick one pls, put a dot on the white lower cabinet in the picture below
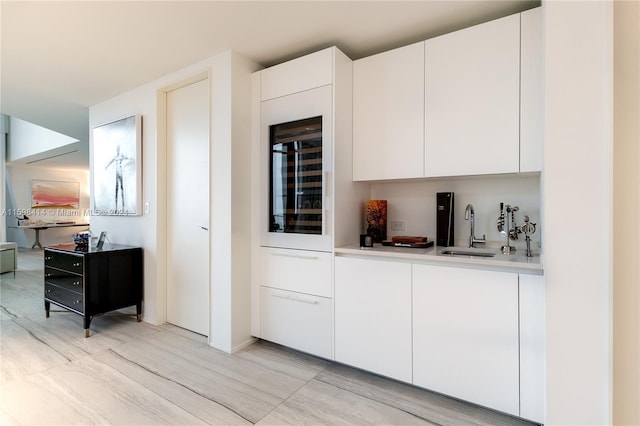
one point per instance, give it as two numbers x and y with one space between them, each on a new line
297 320
532 347
465 335
476 335
373 316
302 271
296 304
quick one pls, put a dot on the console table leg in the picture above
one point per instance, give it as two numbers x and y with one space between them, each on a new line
139 312
87 323
37 242
47 307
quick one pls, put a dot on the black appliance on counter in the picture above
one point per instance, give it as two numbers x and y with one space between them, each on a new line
444 219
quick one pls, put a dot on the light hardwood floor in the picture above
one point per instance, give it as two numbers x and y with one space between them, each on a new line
130 373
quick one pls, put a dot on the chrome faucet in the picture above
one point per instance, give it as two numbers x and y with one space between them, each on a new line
470 215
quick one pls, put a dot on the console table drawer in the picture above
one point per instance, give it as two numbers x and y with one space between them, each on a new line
63 279
62 296
64 261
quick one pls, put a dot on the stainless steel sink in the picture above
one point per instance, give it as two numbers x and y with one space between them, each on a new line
467 251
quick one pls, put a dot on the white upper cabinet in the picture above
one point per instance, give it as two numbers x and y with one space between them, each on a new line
472 100
531 92
388 115
469 103
304 73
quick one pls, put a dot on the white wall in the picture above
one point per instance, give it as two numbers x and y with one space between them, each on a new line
3 133
230 112
241 234
577 199
135 230
28 139
626 291
231 201
20 178
415 203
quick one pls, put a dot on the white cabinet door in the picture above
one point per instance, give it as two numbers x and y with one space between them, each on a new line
388 115
531 92
373 316
532 347
304 73
472 88
465 334
299 321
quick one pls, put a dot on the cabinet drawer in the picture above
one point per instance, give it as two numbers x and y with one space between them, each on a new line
62 296
299 321
65 261
296 270
63 279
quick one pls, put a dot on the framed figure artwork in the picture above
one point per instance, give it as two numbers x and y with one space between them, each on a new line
116 167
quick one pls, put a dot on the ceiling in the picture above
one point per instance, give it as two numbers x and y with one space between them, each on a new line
58 58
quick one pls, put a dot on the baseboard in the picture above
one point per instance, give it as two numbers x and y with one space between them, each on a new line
236 348
243 345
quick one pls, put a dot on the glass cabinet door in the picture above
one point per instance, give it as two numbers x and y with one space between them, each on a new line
296 194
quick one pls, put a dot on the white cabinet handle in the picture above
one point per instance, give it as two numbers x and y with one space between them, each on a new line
297 256
295 298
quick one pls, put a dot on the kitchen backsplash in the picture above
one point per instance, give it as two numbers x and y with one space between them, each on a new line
414 203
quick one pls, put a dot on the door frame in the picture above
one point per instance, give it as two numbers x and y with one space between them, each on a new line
162 198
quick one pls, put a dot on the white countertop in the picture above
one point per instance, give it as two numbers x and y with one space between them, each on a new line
515 262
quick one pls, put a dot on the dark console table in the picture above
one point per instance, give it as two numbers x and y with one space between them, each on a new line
91 281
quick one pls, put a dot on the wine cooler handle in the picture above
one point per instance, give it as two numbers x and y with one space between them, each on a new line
325 221
325 214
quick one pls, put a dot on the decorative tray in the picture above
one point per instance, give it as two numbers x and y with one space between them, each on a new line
411 242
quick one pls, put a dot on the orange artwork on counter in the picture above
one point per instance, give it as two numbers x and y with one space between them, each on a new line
377 220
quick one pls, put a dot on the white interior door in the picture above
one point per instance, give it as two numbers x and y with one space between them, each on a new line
188 207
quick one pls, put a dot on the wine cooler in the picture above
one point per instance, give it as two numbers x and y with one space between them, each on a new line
296 133
296 177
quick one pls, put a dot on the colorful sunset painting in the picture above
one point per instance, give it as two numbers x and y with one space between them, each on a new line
47 194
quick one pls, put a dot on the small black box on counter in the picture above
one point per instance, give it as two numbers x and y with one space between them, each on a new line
444 218
366 240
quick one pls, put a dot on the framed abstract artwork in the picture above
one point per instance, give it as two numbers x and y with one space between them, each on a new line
116 167
49 194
